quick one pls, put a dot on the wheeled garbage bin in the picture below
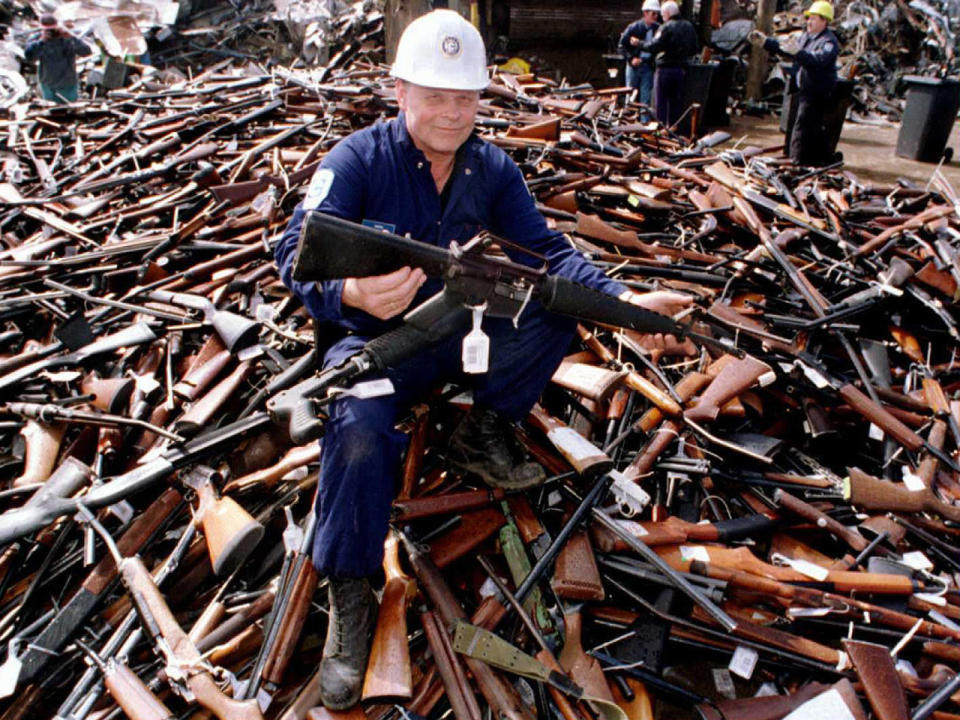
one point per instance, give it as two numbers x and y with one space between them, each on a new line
928 118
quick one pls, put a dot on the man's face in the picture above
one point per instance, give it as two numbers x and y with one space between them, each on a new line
816 24
650 16
439 121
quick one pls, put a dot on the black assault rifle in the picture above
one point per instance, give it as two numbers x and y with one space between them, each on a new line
331 248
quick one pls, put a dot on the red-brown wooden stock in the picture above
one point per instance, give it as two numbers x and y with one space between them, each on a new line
388 677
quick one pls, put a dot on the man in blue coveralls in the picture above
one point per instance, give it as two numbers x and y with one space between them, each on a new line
639 61
813 79
57 51
426 174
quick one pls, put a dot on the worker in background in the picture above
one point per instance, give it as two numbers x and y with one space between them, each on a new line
57 51
425 173
640 65
813 79
672 45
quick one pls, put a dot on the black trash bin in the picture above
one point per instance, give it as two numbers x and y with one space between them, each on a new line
715 113
696 89
842 95
928 117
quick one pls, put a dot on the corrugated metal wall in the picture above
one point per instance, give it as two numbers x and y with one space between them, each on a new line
582 20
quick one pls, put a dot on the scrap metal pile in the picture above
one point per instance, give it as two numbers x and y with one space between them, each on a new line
765 520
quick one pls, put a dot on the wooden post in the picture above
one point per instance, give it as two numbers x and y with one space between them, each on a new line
396 16
757 71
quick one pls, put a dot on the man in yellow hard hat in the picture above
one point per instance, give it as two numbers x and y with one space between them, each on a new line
813 80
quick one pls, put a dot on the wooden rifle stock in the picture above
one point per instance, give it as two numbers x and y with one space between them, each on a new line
588 380
633 379
151 604
432 505
200 413
475 527
742 559
879 677
305 584
322 713
736 377
879 416
388 677
770 707
689 385
209 362
231 531
586 458
872 493
268 477
851 537
413 461
499 694
779 639
461 697
812 597
111 395
584 670
42 445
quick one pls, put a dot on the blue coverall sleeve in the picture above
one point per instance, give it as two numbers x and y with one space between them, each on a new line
824 56
518 220
624 45
32 51
81 47
337 188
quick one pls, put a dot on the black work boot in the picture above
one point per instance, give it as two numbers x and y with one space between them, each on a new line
482 445
353 612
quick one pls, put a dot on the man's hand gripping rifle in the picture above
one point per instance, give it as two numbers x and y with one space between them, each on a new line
331 248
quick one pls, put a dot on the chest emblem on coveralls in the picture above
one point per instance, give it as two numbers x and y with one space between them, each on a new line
450 46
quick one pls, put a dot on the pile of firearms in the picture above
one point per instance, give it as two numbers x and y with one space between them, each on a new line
763 523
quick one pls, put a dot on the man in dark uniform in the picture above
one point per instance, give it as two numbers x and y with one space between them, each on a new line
426 174
57 50
672 45
640 62
813 78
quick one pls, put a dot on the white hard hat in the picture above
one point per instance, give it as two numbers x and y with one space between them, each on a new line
669 9
651 5
442 50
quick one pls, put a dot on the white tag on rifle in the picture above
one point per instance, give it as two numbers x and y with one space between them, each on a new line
370 388
476 345
743 662
9 674
122 510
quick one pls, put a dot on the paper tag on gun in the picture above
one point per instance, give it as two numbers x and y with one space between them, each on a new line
368 389
476 345
9 674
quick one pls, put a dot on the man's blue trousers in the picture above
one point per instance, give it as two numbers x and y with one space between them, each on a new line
361 453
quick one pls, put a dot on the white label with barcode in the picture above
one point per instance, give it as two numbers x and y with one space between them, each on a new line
689 553
724 683
743 662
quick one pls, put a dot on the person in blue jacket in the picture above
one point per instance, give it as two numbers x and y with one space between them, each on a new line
640 66
813 79
57 50
424 173
672 46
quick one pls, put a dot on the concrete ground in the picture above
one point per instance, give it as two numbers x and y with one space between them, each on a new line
868 151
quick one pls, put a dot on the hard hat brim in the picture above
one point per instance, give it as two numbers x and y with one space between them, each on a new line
439 83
